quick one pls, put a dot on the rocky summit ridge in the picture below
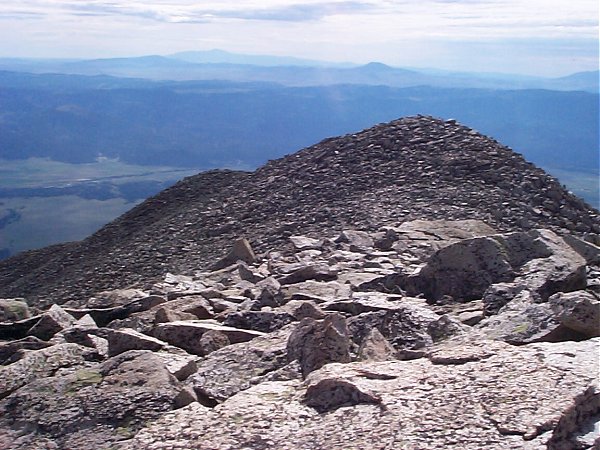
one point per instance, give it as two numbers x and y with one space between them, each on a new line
412 168
413 286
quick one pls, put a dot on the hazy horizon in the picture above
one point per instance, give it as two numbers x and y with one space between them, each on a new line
548 38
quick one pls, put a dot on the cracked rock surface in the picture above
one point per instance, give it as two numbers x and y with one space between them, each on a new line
484 402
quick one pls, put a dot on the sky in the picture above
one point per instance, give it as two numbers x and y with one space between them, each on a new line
532 37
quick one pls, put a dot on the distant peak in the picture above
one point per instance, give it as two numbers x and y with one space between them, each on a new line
377 65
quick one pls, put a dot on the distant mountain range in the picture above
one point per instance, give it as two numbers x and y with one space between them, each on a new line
219 65
216 56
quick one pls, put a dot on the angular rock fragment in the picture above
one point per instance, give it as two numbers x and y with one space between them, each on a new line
499 294
578 311
523 321
268 293
51 322
317 272
300 309
14 350
463 271
445 327
359 241
180 365
166 314
229 370
41 363
211 341
264 321
122 340
331 393
316 343
92 407
240 251
406 327
305 243
375 347
319 291
247 274
114 298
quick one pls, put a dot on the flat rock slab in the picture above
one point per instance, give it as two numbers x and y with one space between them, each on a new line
316 290
186 334
503 397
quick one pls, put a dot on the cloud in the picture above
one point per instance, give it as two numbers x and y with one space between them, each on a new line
299 12
189 13
21 15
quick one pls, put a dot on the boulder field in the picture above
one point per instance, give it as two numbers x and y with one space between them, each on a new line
432 334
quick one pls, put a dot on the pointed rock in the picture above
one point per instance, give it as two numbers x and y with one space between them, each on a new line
51 322
375 347
315 343
123 339
241 251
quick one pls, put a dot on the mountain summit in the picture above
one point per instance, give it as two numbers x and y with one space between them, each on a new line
414 285
412 168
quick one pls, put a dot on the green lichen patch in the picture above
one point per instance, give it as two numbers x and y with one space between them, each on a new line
521 328
84 377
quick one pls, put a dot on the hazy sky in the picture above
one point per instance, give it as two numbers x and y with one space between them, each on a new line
544 37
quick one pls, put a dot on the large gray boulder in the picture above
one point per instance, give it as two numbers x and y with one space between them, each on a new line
92 407
37 364
421 238
539 260
578 311
565 317
404 325
12 351
234 368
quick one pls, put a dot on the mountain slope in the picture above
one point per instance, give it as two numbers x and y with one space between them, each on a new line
412 168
